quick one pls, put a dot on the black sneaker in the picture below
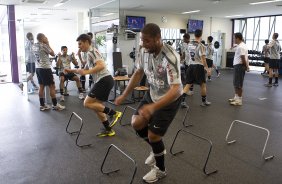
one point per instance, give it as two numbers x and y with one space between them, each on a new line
104 132
276 84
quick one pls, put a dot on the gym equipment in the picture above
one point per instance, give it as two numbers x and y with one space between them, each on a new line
202 138
116 170
76 132
255 126
184 118
123 112
216 45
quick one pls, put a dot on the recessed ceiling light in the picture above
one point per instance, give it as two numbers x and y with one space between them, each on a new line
233 16
265 2
194 11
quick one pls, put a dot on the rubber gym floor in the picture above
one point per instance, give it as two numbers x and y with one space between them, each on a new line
35 147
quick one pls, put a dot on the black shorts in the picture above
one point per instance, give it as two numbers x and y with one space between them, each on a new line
274 63
195 74
209 63
266 60
68 76
45 76
239 74
30 67
101 89
162 118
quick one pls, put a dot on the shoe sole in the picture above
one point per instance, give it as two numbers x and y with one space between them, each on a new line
116 119
106 135
153 181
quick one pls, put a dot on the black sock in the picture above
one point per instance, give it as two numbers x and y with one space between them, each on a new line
184 97
54 101
41 100
204 98
80 89
191 87
82 80
109 111
143 133
62 91
107 125
276 80
158 150
216 71
209 77
270 80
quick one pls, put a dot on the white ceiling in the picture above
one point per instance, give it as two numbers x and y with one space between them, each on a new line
208 8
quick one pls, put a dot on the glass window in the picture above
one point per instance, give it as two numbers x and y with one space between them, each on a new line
278 27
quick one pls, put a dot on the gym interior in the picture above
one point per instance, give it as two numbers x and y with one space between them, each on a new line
219 144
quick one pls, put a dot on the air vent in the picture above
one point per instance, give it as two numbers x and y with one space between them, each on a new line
34 1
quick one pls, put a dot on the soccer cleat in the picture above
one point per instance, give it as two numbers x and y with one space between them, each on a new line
115 118
184 105
205 103
236 103
58 107
154 175
62 98
45 107
150 160
104 133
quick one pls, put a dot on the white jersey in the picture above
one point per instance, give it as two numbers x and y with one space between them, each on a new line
29 55
275 49
240 50
93 55
66 62
185 50
210 51
161 71
266 51
41 52
197 50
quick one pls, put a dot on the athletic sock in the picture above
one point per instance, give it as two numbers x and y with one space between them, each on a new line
62 91
191 87
204 98
270 80
209 77
54 101
143 133
107 125
41 100
109 111
158 150
184 97
80 89
216 71
276 80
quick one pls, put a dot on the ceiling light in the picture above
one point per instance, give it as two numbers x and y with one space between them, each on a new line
104 4
58 4
108 14
229 16
264 2
194 11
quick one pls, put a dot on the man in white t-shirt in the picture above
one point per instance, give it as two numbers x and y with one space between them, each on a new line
240 64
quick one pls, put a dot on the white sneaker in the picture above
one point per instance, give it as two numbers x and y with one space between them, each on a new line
236 103
81 96
45 107
154 175
58 107
62 98
150 160
231 99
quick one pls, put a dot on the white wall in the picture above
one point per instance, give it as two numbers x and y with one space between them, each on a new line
59 34
173 21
